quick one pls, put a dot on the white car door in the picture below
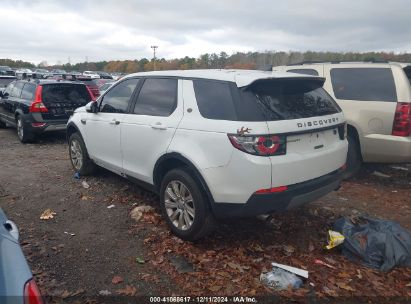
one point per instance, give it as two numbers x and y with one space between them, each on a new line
148 130
103 128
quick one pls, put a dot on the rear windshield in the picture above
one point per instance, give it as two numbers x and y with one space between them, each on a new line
5 81
264 100
284 99
365 84
65 92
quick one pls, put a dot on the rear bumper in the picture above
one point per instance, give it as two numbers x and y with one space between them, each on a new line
44 125
386 148
296 195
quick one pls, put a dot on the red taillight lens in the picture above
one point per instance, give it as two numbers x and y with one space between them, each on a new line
37 105
262 145
32 294
272 190
402 120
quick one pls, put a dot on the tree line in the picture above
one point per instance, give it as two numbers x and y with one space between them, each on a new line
250 60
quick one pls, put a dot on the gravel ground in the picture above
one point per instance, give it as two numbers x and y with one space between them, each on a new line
78 254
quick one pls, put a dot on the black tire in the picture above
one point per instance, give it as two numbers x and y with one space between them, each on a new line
354 158
203 222
23 133
2 125
87 166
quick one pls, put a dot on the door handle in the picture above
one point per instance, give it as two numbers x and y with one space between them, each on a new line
114 122
158 126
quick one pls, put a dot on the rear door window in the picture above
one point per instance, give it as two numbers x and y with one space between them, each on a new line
365 84
28 91
118 98
214 99
273 100
304 71
157 97
5 81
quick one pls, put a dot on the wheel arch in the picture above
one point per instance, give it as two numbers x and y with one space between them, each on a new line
71 129
174 160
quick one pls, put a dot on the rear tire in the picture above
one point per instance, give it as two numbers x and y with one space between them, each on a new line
2 125
354 158
23 133
79 158
185 206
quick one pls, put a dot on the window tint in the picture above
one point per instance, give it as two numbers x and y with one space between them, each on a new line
118 98
304 71
158 97
28 91
268 100
407 71
374 84
16 91
214 99
59 93
9 88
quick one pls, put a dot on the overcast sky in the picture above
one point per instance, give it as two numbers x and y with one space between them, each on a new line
54 30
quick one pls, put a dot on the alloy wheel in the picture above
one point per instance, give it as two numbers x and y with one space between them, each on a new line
76 154
20 129
179 205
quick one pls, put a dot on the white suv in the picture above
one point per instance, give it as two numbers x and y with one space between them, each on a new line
215 143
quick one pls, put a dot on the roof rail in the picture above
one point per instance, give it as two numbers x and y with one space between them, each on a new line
337 61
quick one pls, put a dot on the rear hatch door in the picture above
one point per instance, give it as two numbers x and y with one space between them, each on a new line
61 99
309 120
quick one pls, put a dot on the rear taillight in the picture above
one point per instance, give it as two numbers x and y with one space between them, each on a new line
93 98
32 294
262 145
402 120
37 105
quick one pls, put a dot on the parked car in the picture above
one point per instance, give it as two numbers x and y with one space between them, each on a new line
105 87
5 70
37 106
104 75
91 74
42 73
5 80
376 100
215 144
58 72
91 84
17 285
23 73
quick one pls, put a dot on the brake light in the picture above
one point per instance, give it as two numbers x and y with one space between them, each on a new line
93 98
272 190
261 145
37 105
32 294
402 120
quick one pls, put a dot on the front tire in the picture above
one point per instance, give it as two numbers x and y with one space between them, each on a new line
185 205
79 156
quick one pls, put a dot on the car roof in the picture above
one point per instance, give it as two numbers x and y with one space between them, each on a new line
240 77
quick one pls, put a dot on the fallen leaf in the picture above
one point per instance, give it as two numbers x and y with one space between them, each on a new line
215 288
104 293
127 291
117 280
345 287
408 285
65 294
47 214
359 275
85 185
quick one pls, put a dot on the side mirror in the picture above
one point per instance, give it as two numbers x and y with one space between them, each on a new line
91 107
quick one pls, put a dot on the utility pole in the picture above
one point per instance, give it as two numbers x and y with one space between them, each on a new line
154 47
